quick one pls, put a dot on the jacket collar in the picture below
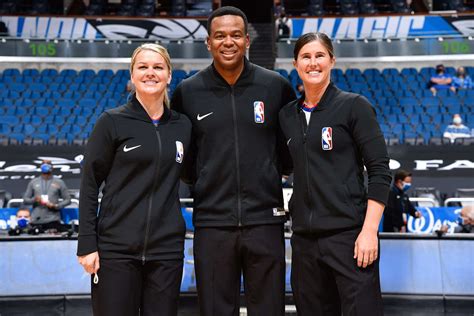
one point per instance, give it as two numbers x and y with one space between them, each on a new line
326 99
135 109
248 67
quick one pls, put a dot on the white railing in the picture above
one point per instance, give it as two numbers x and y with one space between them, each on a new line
19 202
463 200
422 201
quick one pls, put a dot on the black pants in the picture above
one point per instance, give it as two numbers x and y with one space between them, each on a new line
326 280
127 287
221 254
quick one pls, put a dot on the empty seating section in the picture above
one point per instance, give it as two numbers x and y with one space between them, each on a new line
406 109
61 107
48 106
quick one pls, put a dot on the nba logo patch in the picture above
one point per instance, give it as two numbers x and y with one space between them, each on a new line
179 151
259 111
326 138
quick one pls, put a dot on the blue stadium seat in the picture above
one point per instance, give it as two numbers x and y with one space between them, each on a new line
44 137
18 137
88 103
4 129
432 110
36 121
41 111
64 111
49 72
9 120
48 119
63 102
403 119
11 72
123 72
371 72
391 72
80 80
437 118
68 73
29 129
81 120
410 71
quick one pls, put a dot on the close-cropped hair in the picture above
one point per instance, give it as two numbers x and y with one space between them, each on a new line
401 175
227 10
312 37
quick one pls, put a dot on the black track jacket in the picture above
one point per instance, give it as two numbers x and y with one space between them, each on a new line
140 215
238 152
329 192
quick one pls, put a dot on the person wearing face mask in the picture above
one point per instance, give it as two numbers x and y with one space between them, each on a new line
440 80
399 204
457 129
465 221
461 80
23 218
48 196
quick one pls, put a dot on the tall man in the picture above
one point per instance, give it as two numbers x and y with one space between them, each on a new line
236 165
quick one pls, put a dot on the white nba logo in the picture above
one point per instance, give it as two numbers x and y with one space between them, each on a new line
179 151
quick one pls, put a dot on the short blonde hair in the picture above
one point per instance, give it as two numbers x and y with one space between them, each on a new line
157 49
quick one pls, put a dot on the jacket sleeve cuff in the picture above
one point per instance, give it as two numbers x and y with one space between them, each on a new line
379 193
86 244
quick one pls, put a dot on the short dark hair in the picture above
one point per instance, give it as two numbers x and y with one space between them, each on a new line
401 175
440 68
311 37
227 10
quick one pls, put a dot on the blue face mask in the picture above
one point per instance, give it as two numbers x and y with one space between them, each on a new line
406 186
461 221
46 168
22 222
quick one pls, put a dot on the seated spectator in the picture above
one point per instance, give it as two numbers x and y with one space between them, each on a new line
22 224
44 193
461 80
440 81
23 217
457 129
465 221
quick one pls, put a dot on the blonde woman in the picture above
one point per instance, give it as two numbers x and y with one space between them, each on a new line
133 247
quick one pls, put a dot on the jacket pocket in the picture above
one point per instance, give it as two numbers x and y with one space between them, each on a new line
105 209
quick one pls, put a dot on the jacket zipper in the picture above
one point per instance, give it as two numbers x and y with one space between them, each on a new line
237 160
304 130
150 201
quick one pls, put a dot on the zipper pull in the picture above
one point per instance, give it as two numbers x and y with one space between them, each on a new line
96 279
